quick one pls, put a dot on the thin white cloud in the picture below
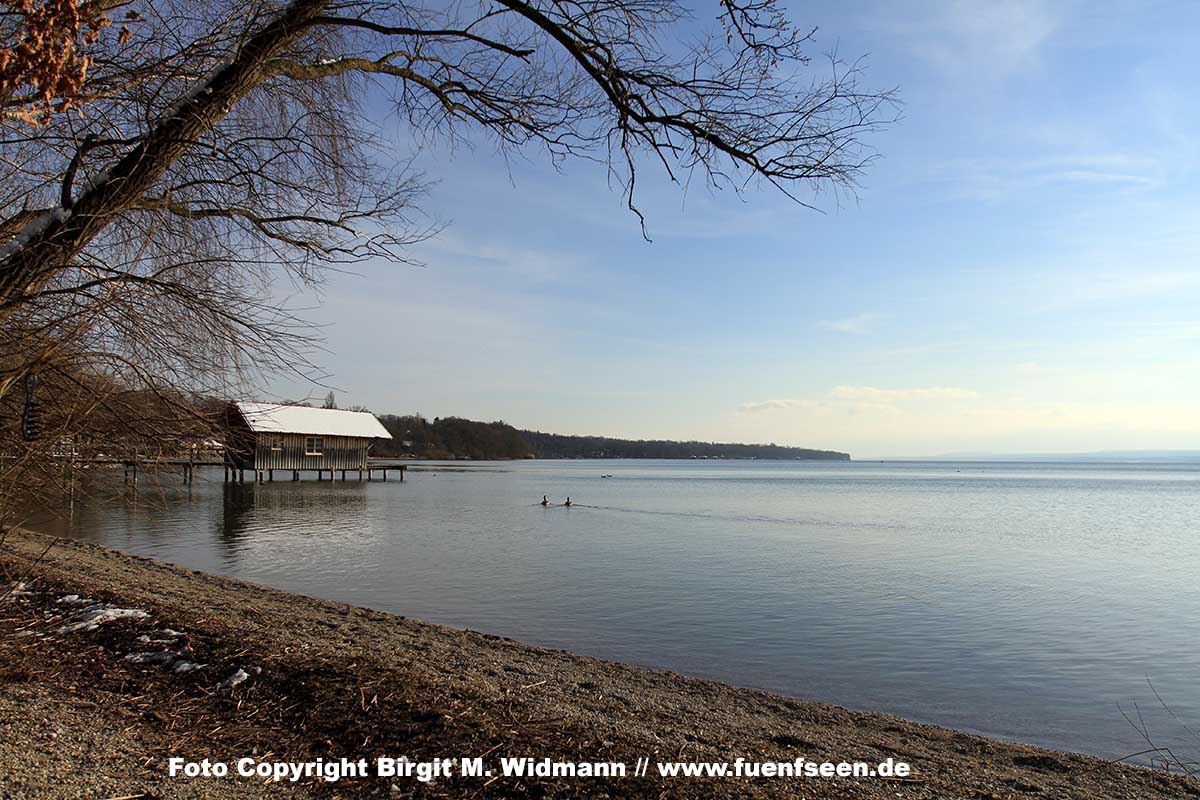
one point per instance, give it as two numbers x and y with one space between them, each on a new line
967 38
872 394
1003 178
1096 176
1083 288
859 323
539 265
774 405
862 398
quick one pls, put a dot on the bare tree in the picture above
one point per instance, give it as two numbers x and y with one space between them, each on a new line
214 148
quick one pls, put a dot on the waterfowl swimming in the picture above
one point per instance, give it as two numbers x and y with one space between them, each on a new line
545 501
568 503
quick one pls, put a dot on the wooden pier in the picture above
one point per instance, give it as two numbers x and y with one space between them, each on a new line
371 472
266 475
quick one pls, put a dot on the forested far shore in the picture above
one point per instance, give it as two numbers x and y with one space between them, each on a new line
553 445
454 438
449 438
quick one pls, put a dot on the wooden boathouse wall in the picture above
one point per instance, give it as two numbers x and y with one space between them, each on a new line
289 451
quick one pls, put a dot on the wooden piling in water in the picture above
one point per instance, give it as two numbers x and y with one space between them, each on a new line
232 471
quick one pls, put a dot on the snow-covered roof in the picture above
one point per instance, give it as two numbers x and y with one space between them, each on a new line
272 418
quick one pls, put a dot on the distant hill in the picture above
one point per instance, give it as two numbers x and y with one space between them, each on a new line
454 437
553 445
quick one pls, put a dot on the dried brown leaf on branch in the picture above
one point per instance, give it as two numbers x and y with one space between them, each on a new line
43 54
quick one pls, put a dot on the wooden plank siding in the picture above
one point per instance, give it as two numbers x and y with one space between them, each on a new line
337 452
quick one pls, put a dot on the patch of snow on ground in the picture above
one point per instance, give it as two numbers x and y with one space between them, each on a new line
164 658
148 640
92 618
233 680
175 660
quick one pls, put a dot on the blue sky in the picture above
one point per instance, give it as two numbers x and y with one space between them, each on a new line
1018 271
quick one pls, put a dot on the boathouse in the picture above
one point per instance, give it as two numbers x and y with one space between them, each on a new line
264 437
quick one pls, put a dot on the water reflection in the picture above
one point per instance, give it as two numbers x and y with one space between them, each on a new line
237 508
267 511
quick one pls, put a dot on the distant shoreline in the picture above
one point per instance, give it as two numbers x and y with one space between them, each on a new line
613 458
455 437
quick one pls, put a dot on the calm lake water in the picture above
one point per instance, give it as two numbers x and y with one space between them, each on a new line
1026 601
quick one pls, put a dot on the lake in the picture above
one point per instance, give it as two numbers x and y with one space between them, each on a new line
1029 601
